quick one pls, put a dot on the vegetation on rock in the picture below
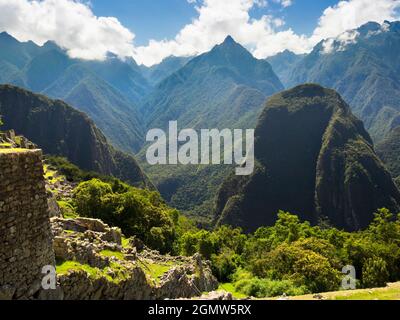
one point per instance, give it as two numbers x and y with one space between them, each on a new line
314 158
223 88
61 130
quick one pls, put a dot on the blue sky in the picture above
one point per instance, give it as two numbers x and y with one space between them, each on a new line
150 19
162 19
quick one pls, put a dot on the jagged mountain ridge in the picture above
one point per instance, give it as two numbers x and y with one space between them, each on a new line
196 95
363 65
283 63
61 130
314 159
224 88
108 91
157 73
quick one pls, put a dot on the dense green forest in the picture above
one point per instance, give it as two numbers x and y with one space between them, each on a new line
289 257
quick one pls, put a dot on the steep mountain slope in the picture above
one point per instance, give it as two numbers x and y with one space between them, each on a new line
163 70
314 159
43 70
108 91
61 130
16 53
7 70
125 76
224 88
283 63
114 115
198 94
389 151
363 65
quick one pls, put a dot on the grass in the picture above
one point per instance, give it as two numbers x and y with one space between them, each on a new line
51 175
66 267
391 292
229 287
125 242
13 150
67 209
5 145
116 254
18 140
119 272
156 270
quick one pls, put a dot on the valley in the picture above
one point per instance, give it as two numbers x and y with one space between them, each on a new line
321 192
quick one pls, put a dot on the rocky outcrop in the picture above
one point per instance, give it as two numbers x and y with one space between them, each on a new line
9 140
91 259
93 264
25 237
217 296
313 159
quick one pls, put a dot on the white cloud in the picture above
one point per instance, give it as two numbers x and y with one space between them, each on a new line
265 36
340 42
218 19
70 23
348 15
284 3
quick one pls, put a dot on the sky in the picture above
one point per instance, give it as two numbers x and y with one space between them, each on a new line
150 31
162 19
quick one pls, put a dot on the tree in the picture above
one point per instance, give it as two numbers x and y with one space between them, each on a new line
89 198
375 273
225 264
384 228
140 213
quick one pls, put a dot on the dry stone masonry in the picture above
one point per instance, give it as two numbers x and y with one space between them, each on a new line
126 273
92 261
25 236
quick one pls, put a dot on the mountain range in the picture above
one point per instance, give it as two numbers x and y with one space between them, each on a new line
283 63
363 65
108 91
223 88
198 94
159 72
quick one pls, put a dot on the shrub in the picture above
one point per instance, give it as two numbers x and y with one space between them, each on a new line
304 266
315 272
375 273
89 198
67 209
225 264
262 288
137 212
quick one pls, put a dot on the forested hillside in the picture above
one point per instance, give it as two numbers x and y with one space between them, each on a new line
313 158
61 130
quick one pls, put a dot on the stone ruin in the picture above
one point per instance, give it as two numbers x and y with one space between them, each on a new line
30 241
25 235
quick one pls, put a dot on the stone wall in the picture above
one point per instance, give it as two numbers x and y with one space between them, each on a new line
25 236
